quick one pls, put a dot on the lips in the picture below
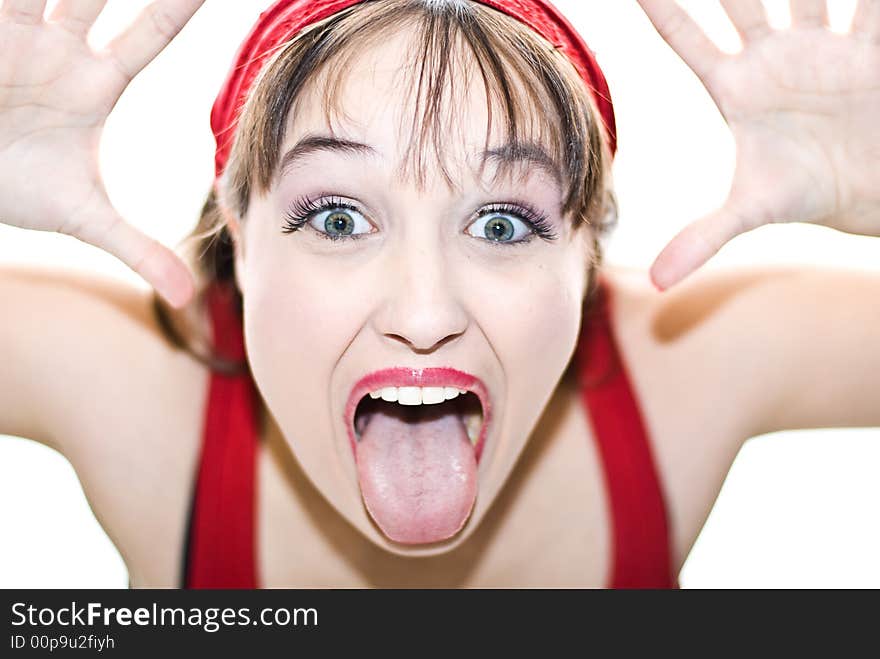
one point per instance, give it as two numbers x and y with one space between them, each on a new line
419 377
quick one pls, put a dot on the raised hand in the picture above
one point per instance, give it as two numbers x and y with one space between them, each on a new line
803 105
55 96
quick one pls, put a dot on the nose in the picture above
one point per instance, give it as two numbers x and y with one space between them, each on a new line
422 308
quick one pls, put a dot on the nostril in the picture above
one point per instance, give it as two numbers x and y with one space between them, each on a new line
419 347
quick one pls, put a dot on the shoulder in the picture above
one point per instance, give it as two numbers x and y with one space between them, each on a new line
97 344
745 321
701 344
121 403
693 377
736 304
731 353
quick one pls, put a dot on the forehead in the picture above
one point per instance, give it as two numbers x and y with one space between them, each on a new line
424 118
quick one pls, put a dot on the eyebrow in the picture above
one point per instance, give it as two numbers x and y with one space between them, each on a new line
530 153
311 144
508 154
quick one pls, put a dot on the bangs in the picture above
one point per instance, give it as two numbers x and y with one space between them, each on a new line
534 97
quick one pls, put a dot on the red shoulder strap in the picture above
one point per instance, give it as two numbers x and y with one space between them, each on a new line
641 539
222 532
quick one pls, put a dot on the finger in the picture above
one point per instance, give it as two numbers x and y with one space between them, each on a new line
156 26
157 264
809 13
749 17
77 16
867 19
694 245
23 11
685 37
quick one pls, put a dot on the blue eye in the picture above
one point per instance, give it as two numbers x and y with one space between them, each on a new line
333 219
509 224
500 227
341 223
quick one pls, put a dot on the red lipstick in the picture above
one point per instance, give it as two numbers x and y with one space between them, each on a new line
419 377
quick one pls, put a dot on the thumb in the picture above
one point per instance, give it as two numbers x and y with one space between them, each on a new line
696 244
156 263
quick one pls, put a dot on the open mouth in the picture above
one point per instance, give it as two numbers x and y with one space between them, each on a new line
417 449
414 403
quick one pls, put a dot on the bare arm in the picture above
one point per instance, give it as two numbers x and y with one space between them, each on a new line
798 347
63 343
823 357
86 371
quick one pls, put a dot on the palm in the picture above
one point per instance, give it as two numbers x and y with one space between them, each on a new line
802 107
55 96
801 104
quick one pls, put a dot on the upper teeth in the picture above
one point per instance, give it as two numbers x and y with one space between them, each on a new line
417 395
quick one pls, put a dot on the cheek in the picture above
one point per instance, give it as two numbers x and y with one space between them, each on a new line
299 321
532 317
532 323
301 316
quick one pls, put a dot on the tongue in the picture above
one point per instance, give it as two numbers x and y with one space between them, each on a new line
417 472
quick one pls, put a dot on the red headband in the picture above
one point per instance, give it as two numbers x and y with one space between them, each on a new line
286 18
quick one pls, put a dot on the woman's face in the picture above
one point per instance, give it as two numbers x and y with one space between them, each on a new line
414 278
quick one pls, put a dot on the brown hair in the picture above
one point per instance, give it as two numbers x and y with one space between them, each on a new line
521 72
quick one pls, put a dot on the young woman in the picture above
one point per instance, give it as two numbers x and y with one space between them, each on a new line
400 361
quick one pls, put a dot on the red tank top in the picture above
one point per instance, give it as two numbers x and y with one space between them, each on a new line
220 549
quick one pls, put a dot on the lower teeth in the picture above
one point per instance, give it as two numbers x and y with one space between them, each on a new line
472 423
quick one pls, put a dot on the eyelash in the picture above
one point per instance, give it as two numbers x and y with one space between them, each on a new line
305 208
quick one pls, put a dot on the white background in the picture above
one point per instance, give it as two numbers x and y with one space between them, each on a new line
798 509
